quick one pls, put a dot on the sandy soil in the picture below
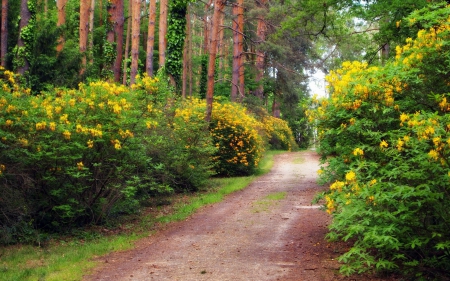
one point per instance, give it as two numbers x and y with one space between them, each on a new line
246 237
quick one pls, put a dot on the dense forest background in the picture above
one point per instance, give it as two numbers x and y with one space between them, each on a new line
255 51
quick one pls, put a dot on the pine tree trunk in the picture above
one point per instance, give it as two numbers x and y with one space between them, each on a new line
221 46
91 31
84 31
162 31
4 33
218 8
127 44
276 108
238 29
260 55
135 27
151 37
61 5
118 31
25 17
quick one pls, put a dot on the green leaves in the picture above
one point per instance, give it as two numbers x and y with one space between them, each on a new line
385 137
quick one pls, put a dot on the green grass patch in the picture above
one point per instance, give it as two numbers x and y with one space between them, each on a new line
60 260
70 259
268 202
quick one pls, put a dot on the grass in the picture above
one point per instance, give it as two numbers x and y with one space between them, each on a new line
71 258
268 201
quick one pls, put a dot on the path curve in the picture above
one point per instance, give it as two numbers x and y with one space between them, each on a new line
244 237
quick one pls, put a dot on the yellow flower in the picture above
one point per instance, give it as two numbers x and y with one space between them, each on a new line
80 166
404 117
90 143
383 144
40 126
350 176
23 142
337 185
372 182
117 144
400 144
433 154
358 151
8 123
67 135
52 126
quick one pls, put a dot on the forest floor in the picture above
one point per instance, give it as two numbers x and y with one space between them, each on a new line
268 231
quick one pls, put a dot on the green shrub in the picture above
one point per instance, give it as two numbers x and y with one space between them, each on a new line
384 135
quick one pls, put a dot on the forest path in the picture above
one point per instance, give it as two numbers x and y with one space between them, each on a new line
253 234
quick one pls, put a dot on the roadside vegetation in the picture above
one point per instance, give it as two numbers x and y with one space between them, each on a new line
384 134
70 257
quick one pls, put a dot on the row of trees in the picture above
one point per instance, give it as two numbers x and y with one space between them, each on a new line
253 51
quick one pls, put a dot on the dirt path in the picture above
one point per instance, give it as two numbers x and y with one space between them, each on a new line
245 237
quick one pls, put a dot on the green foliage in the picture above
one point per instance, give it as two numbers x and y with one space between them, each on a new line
176 32
384 135
76 157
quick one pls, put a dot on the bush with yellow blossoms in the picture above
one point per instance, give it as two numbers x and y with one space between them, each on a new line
235 133
385 137
71 157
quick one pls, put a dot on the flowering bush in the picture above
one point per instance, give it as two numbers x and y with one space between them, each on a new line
278 133
71 157
384 134
234 133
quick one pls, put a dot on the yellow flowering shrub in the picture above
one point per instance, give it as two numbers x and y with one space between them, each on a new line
70 156
278 133
385 137
234 132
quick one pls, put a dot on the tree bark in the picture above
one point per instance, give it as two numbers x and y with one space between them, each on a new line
221 46
61 5
25 16
127 44
163 7
84 31
218 8
260 55
118 21
4 33
151 37
135 27
276 108
238 29
91 31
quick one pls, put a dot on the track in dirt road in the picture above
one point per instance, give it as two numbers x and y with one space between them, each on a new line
248 236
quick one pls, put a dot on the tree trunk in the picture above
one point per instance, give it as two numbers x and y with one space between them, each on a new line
84 31
135 27
276 108
25 16
163 6
114 33
238 29
151 37
186 50
260 55
61 5
118 31
127 44
218 8
4 33
221 47
241 51
91 31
